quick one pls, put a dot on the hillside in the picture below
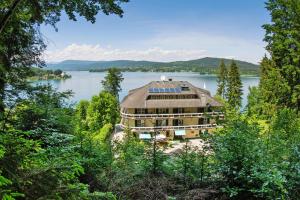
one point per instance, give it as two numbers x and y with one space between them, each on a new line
205 65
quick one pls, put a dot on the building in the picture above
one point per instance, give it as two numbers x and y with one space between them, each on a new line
170 109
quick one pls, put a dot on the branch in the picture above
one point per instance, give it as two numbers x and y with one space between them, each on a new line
8 15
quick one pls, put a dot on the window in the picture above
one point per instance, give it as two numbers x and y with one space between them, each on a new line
161 122
200 110
140 111
178 110
162 111
185 88
203 121
140 123
178 122
160 97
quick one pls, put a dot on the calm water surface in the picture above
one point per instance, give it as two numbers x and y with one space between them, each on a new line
85 84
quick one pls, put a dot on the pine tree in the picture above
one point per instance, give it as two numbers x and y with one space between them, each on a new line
273 87
222 79
112 82
283 44
234 87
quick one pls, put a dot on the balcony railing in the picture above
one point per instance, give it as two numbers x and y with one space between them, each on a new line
157 128
171 115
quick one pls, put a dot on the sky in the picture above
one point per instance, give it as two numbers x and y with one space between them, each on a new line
164 30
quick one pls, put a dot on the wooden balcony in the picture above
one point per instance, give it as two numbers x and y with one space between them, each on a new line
171 115
161 128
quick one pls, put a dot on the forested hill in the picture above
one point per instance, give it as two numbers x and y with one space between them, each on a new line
205 65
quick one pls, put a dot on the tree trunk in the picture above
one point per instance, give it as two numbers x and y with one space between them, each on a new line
8 15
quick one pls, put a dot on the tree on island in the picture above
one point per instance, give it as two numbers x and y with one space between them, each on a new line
234 87
58 72
112 82
222 80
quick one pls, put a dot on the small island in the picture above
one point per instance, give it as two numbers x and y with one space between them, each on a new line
42 74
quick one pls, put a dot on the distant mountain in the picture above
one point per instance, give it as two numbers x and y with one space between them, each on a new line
208 63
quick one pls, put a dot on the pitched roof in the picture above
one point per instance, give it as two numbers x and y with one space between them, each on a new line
138 98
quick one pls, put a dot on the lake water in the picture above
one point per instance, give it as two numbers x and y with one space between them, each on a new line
85 84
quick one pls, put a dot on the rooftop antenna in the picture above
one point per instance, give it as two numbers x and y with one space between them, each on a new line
204 86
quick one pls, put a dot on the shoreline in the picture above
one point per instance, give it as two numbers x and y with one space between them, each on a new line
202 74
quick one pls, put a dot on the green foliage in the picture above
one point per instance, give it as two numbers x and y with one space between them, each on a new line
128 165
222 80
6 193
104 134
81 116
39 158
255 105
283 44
97 161
243 161
272 88
58 72
112 82
43 74
283 145
103 109
234 87
154 158
190 166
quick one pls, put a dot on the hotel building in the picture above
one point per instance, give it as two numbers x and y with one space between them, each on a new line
170 108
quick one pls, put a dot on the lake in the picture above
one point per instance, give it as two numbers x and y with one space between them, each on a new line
85 84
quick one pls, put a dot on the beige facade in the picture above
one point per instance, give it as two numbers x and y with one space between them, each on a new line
170 108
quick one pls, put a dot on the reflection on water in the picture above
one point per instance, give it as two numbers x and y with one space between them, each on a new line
85 84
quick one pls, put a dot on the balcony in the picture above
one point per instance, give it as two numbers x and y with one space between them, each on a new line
161 128
171 115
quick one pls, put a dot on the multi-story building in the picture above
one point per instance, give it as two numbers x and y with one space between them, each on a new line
171 108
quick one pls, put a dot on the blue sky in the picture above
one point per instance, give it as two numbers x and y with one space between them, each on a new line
164 30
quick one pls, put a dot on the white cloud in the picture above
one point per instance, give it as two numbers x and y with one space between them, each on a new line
215 45
97 52
166 46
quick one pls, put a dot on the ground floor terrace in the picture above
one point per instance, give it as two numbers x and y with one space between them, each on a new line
171 132
170 141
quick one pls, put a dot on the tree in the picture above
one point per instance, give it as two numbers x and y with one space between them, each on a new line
283 44
222 80
36 138
272 87
81 116
103 109
58 72
242 159
234 87
21 44
112 82
190 165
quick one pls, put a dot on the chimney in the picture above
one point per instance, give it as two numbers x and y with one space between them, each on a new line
163 78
